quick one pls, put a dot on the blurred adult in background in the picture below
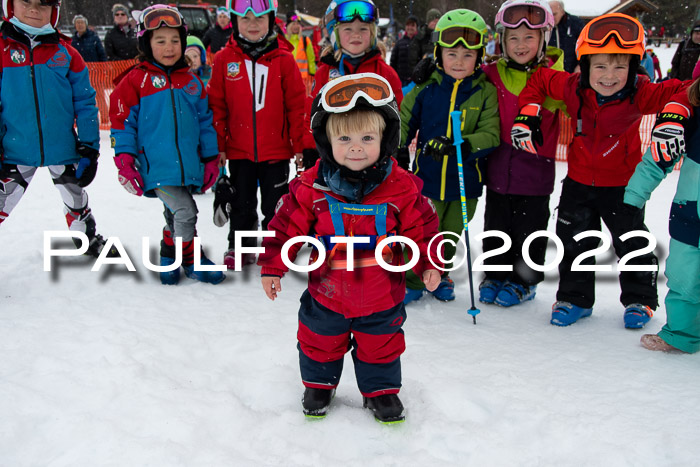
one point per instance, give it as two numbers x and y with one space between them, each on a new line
87 42
565 33
120 41
401 53
303 49
686 55
216 37
422 45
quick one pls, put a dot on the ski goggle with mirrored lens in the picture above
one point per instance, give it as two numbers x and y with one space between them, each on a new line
449 37
161 16
533 16
350 11
627 32
258 7
341 95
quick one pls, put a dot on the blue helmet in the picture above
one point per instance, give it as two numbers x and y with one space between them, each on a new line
346 11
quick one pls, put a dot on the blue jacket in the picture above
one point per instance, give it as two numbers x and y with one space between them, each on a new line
45 92
684 219
89 46
426 109
162 118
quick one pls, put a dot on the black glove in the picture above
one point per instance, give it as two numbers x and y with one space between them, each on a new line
526 133
87 166
423 70
439 147
224 196
631 212
403 157
310 157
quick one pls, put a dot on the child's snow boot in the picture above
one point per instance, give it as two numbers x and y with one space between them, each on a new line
316 402
565 313
637 315
488 290
169 277
230 259
514 294
211 277
412 295
445 290
387 408
654 342
167 257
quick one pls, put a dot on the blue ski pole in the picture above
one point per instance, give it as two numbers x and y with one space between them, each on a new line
458 140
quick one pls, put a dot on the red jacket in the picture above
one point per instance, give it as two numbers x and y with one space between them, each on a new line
328 71
272 132
609 147
367 289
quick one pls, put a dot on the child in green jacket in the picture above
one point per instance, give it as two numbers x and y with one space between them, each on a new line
457 84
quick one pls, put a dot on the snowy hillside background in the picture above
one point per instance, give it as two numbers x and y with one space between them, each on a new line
114 369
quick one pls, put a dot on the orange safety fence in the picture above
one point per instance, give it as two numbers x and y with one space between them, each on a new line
102 75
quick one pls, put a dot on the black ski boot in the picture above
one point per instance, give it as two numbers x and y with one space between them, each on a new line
316 402
387 408
97 243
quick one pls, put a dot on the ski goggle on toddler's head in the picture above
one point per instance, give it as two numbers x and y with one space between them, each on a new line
449 37
160 15
597 36
533 16
258 7
342 94
350 11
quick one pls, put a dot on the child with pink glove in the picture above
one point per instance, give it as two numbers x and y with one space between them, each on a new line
163 138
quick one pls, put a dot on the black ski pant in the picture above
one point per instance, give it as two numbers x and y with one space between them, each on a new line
517 216
246 176
581 209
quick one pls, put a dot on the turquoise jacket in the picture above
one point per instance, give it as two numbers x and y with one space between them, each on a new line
684 220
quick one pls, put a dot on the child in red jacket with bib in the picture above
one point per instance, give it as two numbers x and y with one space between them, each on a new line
257 95
356 189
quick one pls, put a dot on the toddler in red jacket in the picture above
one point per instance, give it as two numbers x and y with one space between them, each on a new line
257 96
606 103
356 190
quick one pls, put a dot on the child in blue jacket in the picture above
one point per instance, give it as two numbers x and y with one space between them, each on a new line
677 131
164 142
45 98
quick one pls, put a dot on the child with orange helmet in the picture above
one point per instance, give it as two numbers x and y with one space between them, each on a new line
606 102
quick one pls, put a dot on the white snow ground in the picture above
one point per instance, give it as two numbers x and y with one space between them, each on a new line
114 369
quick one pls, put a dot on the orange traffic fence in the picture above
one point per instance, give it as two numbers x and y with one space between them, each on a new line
102 75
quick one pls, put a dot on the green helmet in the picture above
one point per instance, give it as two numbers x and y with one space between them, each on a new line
460 27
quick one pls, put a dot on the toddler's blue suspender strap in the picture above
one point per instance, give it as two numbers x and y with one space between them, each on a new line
338 208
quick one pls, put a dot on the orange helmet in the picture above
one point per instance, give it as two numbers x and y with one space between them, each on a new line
613 33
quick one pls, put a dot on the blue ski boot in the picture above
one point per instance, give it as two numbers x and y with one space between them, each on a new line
210 277
169 277
514 294
488 290
565 313
445 291
637 315
412 295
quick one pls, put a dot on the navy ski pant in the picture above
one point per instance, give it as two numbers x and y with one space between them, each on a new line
377 342
581 208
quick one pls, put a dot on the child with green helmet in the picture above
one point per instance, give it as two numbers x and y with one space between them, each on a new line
456 84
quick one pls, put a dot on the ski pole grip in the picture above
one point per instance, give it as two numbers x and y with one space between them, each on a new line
457 127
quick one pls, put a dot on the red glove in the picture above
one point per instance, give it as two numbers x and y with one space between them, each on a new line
211 173
129 177
668 135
